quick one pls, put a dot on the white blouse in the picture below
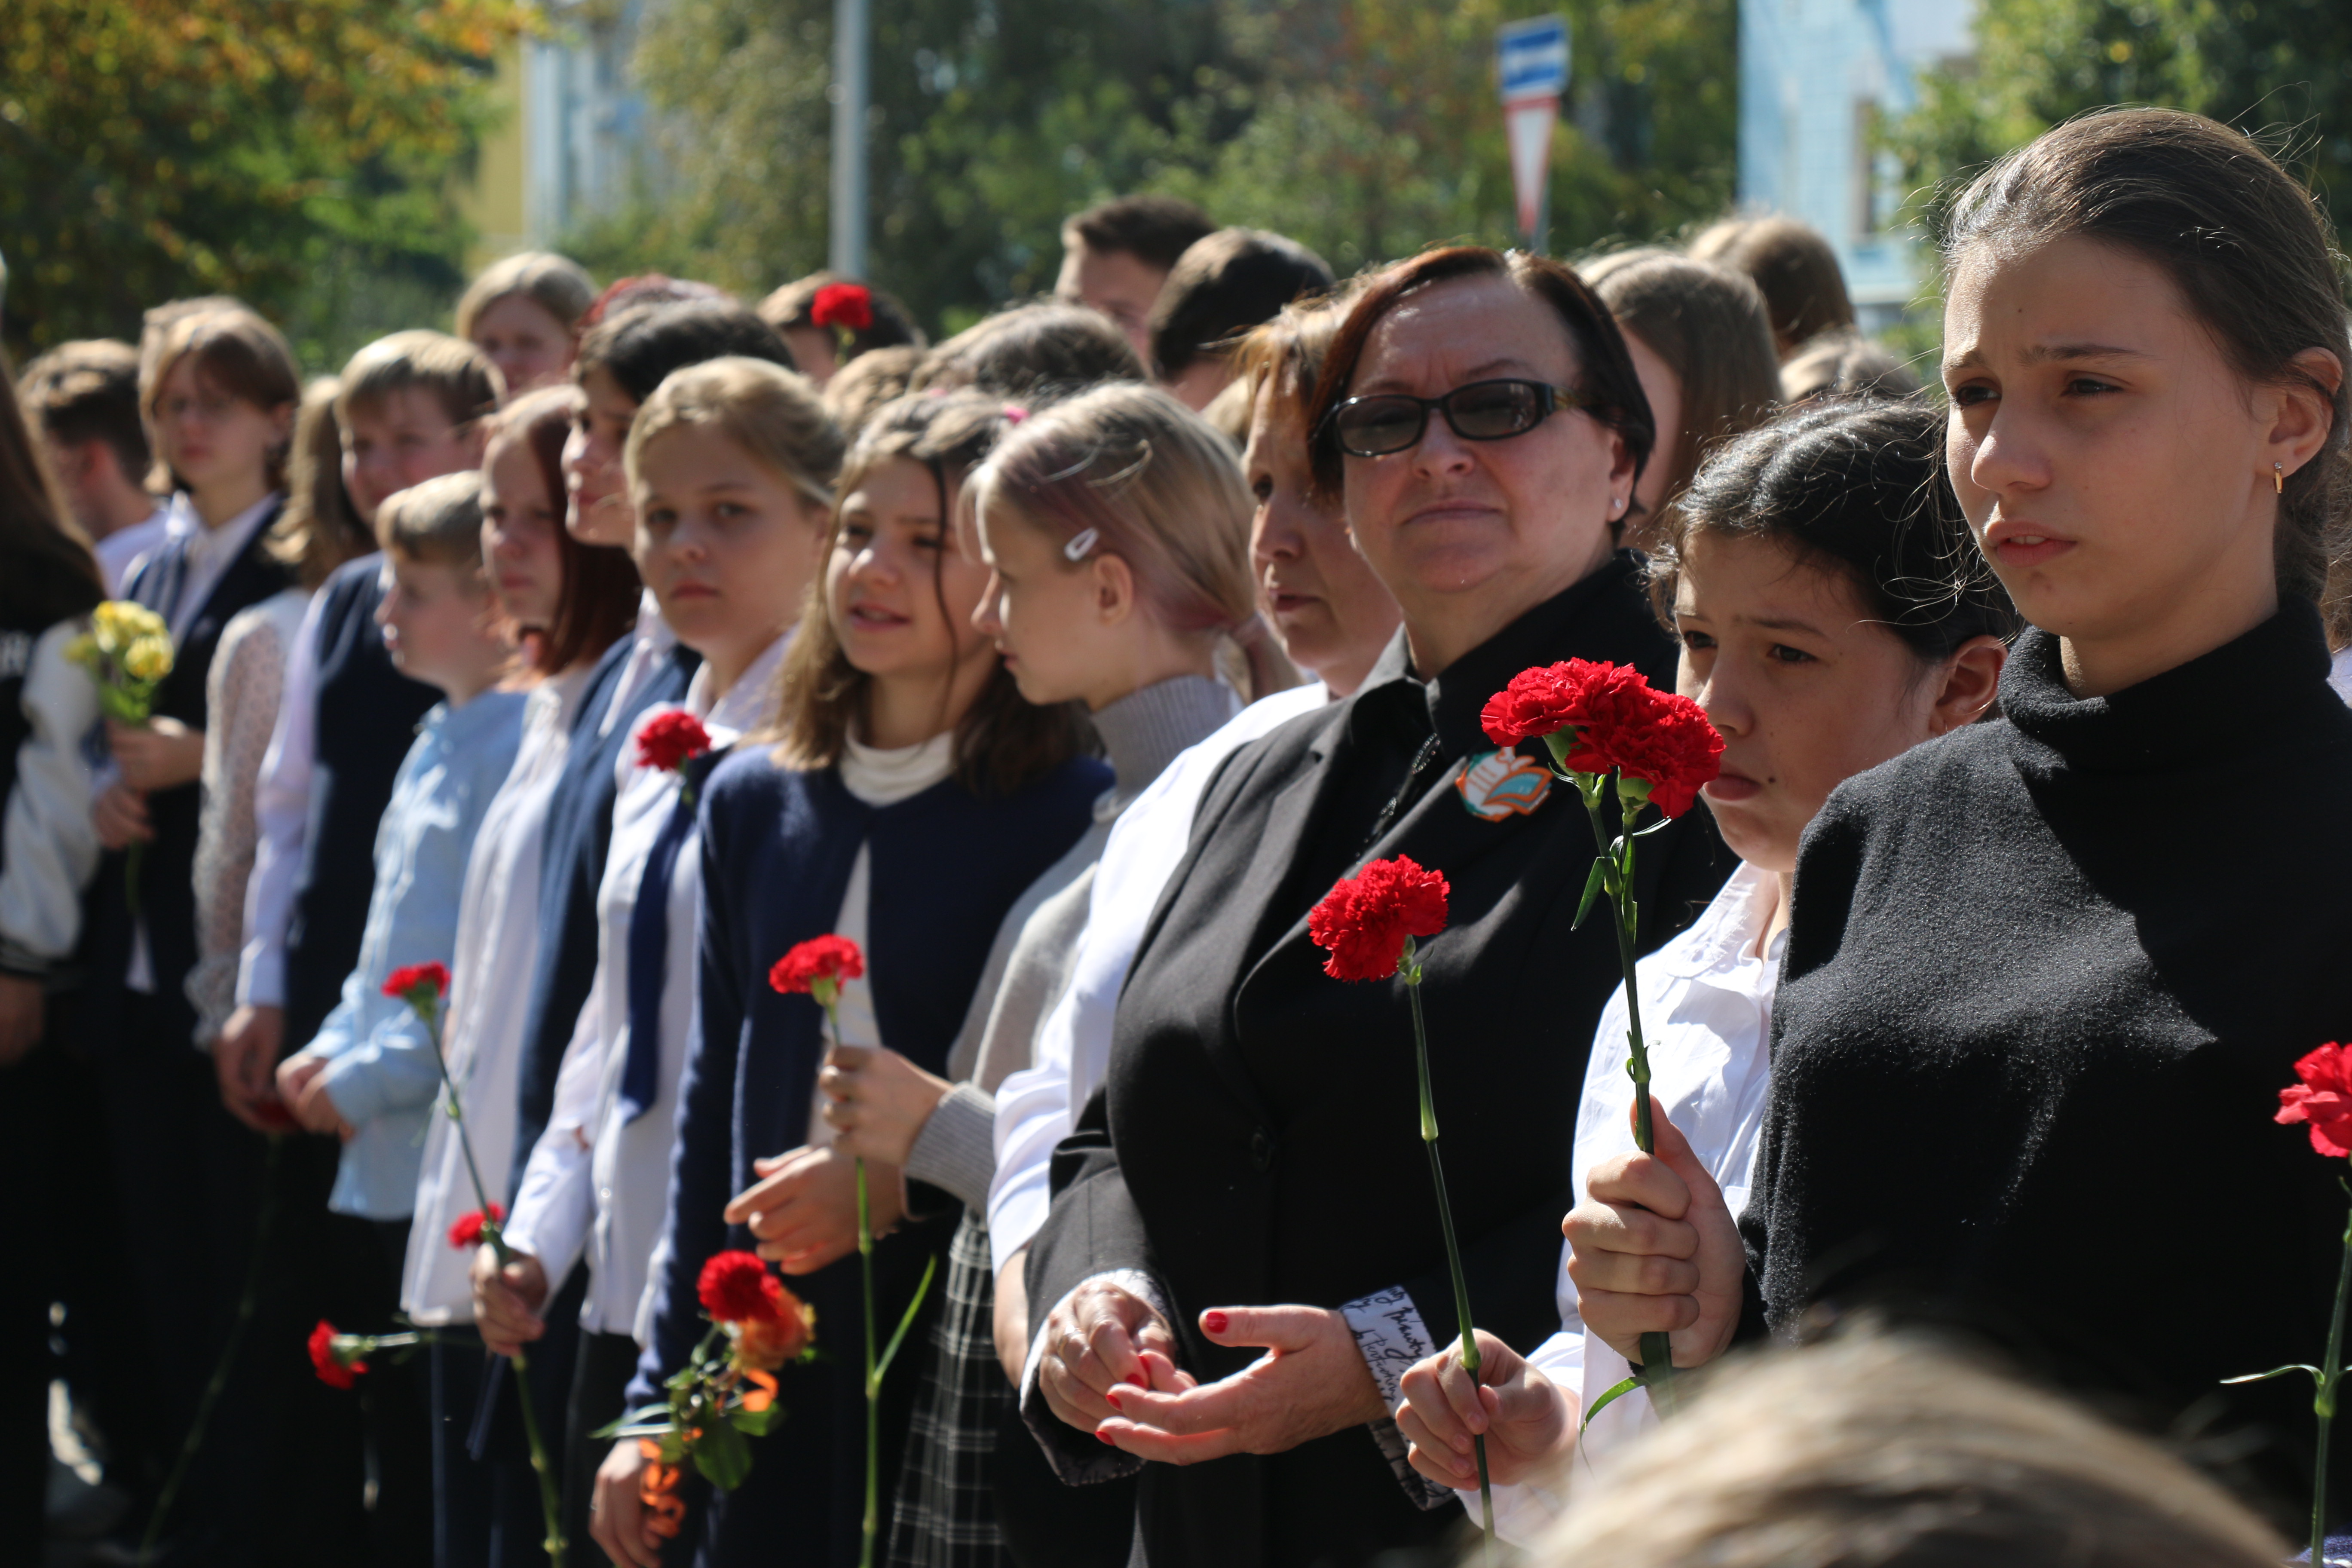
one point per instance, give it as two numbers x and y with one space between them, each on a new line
1707 1016
597 1181
481 1039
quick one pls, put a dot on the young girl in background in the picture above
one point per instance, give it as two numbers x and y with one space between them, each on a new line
729 465
1833 615
488 1512
1117 533
524 314
907 796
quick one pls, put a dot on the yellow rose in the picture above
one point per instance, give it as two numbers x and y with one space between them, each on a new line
147 659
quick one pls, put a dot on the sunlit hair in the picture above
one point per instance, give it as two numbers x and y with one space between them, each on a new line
859 389
1708 324
1857 487
597 604
2243 242
1893 1451
235 352
556 284
455 374
1792 264
893 326
320 530
775 415
1001 742
1288 352
1129 471
437 522
1035 352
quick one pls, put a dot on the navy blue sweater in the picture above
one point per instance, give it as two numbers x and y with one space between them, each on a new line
777 849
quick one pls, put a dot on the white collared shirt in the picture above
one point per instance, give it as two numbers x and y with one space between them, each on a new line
598 1181
120 551
498 935
1707 1016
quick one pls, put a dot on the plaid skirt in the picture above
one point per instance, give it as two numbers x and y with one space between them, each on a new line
945 1512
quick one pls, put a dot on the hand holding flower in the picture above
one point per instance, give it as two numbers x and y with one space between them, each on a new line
803 1212
1654 1249
301 1086
1528 1420
878 1101
507 1300
162 753
119 816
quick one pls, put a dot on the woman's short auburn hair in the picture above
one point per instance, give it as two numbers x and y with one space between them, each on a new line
1604 369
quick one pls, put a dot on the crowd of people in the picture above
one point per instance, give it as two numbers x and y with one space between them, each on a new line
1062 666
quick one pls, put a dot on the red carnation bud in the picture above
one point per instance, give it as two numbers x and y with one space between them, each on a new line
733 1288
332 1370
849 305
468 1231
670 739
2323 1100
817 967
1365 920
417 983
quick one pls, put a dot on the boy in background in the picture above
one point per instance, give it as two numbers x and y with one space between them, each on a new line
1115 256
370 1073
83 398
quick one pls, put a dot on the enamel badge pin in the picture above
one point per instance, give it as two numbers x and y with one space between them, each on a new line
1498 785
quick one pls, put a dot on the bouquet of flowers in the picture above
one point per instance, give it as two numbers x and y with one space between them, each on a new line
726 1393
128 652
1618 740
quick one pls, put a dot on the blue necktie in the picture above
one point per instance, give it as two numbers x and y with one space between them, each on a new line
650 944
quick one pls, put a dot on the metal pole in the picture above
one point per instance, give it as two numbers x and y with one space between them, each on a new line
851 30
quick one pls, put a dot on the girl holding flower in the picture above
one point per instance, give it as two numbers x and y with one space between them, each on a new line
1832 614
2025 1060
729 463
903 797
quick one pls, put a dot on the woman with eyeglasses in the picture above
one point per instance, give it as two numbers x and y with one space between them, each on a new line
1245 1252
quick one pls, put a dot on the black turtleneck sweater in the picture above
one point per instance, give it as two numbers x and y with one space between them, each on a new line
2046 978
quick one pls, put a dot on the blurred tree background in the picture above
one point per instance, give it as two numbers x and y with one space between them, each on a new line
1364 128
295 152
2279 69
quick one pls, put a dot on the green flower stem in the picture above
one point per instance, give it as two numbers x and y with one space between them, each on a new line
1446 1217
214 1387
550 1501
2331 1374
831 998
1616 853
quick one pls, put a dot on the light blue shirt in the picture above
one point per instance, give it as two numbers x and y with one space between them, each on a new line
380 1071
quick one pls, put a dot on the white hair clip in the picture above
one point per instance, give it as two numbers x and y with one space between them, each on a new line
1081 544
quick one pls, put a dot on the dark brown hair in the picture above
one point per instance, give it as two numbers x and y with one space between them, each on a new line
1002 742
1155 230
1225 285
237 351
88 391
457 375
597 604
1034 354
1707 323
320 530
1604 370
1856 487
893 325
2240 238
640 345
46 572
859 389
1792 264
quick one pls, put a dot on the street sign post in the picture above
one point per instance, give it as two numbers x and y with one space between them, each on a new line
1533 56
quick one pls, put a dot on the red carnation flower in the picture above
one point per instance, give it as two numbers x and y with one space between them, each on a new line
670 739
332 1370
1552 697
767 1344
468 1231
418 983
1365 918
847 305
2323 1100
735 1287
1669 746
822 961
1596 717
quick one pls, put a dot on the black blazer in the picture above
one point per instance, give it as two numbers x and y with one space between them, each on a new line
1258 1139
167 891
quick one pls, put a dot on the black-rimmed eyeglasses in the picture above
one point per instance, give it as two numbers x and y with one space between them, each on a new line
1389 422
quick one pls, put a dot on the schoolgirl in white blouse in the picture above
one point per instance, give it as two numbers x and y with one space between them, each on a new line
1833 612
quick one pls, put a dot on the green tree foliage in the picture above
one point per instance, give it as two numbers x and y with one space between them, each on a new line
294 152
2279 69
1365 128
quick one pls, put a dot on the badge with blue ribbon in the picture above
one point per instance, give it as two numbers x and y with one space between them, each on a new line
1496 784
